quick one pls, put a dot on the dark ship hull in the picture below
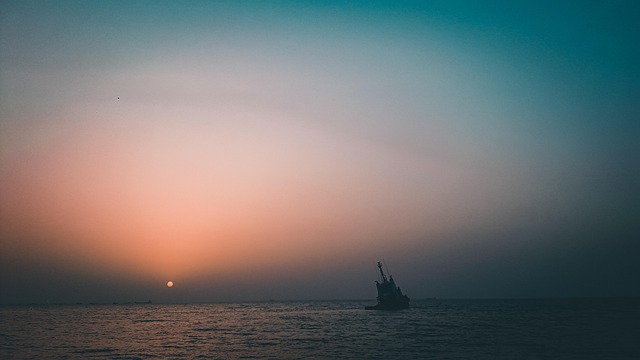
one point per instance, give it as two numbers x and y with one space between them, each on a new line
390 297
389 306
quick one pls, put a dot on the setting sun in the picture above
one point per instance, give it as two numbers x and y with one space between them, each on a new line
169 283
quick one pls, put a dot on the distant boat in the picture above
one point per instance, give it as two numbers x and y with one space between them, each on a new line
390 297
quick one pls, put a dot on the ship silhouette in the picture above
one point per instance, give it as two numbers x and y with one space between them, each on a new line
390 297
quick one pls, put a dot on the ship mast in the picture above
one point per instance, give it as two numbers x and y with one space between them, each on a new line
384 278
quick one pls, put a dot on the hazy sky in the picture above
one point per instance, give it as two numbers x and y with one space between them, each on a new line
276 150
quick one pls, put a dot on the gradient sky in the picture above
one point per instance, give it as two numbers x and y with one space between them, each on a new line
276 150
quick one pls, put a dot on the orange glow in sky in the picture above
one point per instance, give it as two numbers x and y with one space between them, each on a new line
242 192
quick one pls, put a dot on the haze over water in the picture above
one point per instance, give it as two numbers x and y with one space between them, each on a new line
278 149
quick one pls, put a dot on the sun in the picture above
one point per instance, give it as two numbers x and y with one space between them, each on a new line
169 283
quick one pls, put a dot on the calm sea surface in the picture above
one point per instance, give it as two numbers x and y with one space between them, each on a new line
432 329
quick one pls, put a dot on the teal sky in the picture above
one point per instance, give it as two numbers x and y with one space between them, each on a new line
483 149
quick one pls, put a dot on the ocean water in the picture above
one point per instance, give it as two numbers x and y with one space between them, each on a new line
431 329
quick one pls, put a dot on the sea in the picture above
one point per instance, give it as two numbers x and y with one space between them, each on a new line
431 329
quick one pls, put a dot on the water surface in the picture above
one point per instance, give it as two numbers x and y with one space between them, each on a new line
432 329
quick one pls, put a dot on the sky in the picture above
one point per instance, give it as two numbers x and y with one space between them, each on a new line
278 149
